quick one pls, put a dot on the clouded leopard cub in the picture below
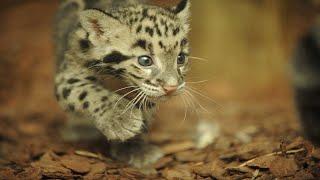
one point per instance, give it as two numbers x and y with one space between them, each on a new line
143 46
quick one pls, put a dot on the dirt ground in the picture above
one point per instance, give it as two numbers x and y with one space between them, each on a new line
257 132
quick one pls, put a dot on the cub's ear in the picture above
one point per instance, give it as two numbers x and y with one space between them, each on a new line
182 10
101 26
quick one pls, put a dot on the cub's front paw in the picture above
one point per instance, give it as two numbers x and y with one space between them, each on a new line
136 154
125 126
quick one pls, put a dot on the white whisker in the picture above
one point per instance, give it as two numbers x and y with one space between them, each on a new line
132 102
125 96
196 101
185 112
194 108
197 82
128 87
197 58
202 95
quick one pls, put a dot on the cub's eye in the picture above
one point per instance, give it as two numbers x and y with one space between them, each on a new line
145 61
182 59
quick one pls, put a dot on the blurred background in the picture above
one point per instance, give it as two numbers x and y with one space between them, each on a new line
247 45
243 48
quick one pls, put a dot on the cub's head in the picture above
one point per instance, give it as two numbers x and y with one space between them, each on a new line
145 45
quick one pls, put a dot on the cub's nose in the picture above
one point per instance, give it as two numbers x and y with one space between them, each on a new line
170 89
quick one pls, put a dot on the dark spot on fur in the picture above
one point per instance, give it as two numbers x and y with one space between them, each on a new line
183 42
115 57
141 43
85 105
150 48
98 89
91 78
145 12
97 110
84 84
176 45
92 63
84 45
71 107
161 44
73 80
139 29
181 6
135 76
166 30
176 31
104 98
103 106
66 92
150 83
83 95
150 31
115 72
158 30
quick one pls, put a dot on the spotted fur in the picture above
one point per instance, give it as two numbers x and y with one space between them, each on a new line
104 37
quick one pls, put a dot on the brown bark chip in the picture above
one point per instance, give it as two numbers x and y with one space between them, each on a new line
162 162
263 162
249 151
7 174
190 156
50 167
207 171
76 166
177 147
132 173
97 171
283 167
30 173
316 153
176 174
